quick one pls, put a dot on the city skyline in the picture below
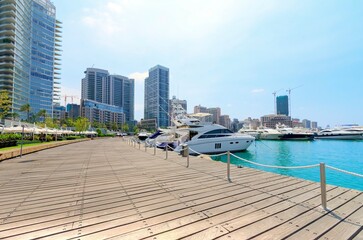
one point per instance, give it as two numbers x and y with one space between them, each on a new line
233 55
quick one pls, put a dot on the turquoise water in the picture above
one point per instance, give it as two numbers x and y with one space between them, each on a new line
343 154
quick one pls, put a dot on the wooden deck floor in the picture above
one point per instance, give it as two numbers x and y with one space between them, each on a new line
106 189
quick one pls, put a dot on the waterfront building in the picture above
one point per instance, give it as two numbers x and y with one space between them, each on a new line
73 110
236 125
225 121
15 27
177 107
306 123
45 57
282 105
148 124
314 125
93 85
114 90
251 123
215 113
102 113
120 92
271 120
59 112
30 54
156 101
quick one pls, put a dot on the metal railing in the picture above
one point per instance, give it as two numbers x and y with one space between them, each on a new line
322 166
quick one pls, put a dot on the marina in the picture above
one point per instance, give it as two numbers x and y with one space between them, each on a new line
112 189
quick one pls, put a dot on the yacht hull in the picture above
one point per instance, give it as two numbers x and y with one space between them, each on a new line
341 137
232 144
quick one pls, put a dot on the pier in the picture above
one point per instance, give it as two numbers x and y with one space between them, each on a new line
109 189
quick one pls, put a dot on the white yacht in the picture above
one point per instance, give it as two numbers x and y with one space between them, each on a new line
270 134
213 138
252 132
341 134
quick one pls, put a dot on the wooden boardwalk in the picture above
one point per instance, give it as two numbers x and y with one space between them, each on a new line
106 189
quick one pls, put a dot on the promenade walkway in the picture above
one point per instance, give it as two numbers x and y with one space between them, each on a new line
106 189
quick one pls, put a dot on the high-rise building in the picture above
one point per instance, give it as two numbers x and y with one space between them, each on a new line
156 105
73 110
314 125
93 85
45 57
225 121
121 91
282 105
114 90
15 27
306 123
30 54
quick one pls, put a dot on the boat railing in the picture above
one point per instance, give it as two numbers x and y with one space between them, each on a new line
186 150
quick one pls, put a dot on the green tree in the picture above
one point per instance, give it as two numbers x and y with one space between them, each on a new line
14 115
5 103
136 130
81 124
26 108
125 127
50 123
114 126
42 114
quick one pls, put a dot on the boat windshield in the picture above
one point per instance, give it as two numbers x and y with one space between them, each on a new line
217 133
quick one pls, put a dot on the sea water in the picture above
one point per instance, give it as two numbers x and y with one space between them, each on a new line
343 154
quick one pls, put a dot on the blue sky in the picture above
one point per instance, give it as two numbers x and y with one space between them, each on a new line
232 54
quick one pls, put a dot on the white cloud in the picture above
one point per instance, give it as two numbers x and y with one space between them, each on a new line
139 77
258 90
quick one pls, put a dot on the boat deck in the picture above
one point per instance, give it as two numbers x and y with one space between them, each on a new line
106 189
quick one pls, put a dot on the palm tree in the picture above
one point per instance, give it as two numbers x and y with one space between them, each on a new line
26 108
42 113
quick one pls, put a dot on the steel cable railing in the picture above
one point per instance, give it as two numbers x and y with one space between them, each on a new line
321 165
272 166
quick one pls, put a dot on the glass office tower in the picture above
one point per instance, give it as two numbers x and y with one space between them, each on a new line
15 29
156 105
45 57
282 105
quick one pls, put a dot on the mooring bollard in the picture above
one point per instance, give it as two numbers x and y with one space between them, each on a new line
187 149
145 146
323 185
166 152
139 145
229 166
154 149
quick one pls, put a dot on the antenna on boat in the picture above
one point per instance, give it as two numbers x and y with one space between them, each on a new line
274 93
289 91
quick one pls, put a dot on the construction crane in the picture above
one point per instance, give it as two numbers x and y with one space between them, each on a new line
66 97
289 91
274 93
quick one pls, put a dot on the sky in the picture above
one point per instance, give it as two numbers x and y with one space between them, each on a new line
231 54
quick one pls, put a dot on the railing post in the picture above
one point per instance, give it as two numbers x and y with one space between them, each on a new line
154 149
139 145
323 185
145 146
187 152
166 152
229 166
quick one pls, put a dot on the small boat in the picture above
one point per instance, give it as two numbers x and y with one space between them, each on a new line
143 135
